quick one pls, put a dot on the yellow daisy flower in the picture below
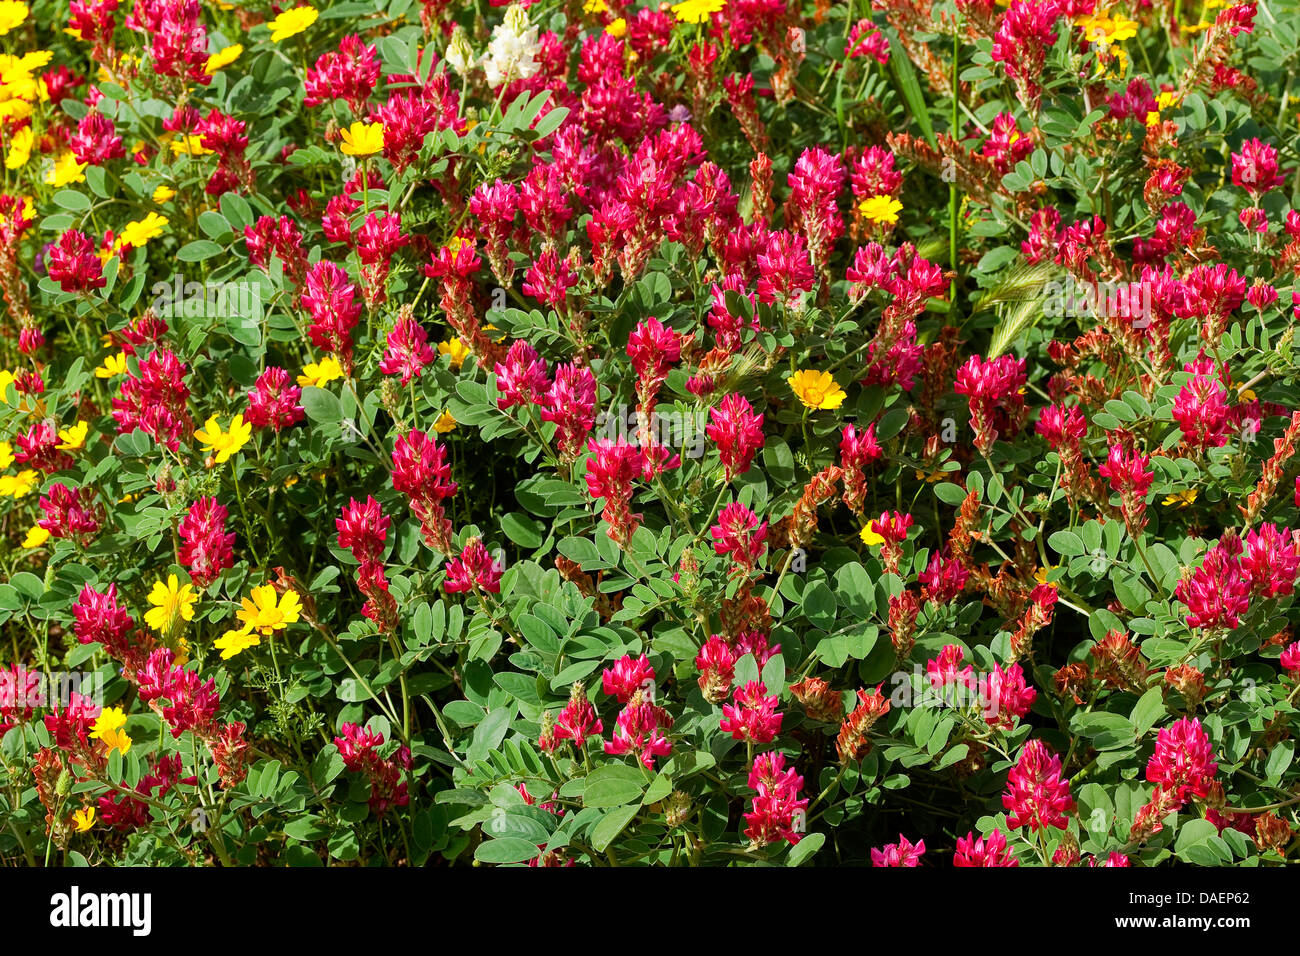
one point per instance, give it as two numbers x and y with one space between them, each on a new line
882 210
12 13
16 110
869 537
108 728
263 612
1105 31
20 147
74 437
163 194
114 365
36 536
445 423
235 642
84 819
66 171
363 139
224 444
1122 29
172 602
617 28
19 485
191 145
316 374
697 11
456 349
138 233
292 22
816 389
1181 499
222 58
1165 99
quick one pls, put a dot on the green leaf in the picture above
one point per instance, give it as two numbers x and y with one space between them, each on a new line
892 422
28 585
610 826
1279 759
802 851
549 123
237 211
321 405
490 732
949 493
72 200
778 460
659 788
199 250
1192 833
95 177
306 829
519 687
1149 709
517 823
1065 543
855 591
612 786
582 551
506 850
819 606
952 756
522 530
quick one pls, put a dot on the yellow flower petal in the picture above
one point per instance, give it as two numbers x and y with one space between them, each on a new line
316 374
12 14
113 366
74 437
19 485
66 170
263 612
108 728
816 389
235 642
292 22
20 146
223 58
171 603
697 11
136 234
869 537
882 210
363 139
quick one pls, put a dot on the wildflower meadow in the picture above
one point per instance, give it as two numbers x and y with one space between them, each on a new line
587 433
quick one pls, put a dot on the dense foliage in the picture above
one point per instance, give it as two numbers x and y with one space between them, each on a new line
581 433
